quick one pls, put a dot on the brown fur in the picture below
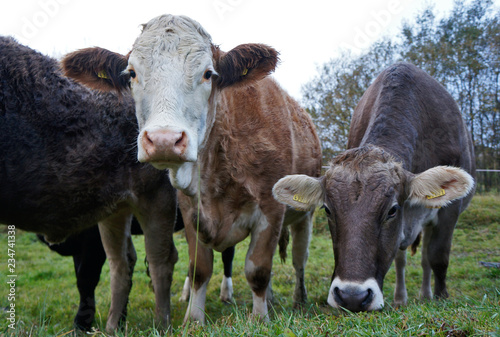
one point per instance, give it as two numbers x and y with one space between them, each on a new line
252 61
97 68
260 135
253 143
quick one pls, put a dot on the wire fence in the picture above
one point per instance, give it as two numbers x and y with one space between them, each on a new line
487 181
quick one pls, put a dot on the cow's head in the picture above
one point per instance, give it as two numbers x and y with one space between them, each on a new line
365 192
175 72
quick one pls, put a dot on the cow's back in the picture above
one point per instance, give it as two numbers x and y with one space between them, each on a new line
264 134
59 139
409 113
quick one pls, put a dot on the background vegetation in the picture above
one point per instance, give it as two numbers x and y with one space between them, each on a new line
460 50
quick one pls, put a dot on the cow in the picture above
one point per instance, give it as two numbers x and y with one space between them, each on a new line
68 161
408 169
89 256
227 132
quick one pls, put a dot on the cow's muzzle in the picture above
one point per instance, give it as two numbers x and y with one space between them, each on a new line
356 296
353 299
163 146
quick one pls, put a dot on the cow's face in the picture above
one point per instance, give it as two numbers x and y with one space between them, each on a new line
364 193
171 70
174 72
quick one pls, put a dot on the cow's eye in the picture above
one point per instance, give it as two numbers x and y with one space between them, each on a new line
393 211
132 73
207 75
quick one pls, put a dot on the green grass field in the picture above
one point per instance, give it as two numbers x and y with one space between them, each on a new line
47 298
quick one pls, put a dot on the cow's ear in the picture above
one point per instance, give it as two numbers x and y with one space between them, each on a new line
439 186
244 64
299 191
97 68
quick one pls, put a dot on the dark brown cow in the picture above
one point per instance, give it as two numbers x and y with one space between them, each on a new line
409 151
68 161
227 133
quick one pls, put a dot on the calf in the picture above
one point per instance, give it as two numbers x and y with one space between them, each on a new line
68 161
227 133
405 171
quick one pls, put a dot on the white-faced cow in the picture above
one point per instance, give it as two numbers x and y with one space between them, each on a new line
68 161
227 133
404 172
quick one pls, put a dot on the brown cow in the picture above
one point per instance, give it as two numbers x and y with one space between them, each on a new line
227 133
406 141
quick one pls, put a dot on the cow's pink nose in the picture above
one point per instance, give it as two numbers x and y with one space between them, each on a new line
163 145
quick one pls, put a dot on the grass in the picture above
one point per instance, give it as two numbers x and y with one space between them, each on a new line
47 298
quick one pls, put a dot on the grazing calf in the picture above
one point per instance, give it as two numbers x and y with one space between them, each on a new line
408 158
227 133
68 161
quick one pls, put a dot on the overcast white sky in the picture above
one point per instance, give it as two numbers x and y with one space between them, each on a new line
306 33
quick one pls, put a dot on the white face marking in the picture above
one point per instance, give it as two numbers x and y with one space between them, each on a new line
170 59
378 298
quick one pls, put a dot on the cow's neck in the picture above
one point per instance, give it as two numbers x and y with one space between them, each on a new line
211 185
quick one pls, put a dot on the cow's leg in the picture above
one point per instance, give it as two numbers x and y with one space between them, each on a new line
301 235
400 293
438 250
88 266
200 269
158 222
259 261
186 289
226 288
117 242
426 290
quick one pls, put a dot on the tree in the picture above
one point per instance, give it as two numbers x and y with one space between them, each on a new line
331 96
461 50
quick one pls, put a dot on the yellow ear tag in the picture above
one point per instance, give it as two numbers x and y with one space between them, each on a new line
298 198
102 74
436 195
245 71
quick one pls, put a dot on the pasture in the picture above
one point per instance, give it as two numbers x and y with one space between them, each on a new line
46 297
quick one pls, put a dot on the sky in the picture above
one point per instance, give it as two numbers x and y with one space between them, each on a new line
306 33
